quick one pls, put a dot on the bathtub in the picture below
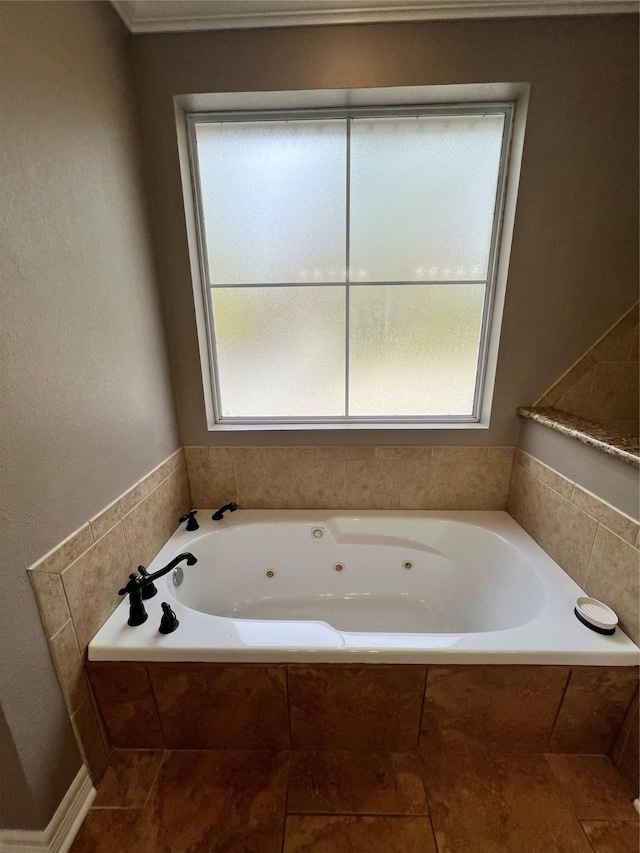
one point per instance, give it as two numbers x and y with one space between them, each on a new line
355 586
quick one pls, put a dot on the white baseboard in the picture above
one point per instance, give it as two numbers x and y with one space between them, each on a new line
63 826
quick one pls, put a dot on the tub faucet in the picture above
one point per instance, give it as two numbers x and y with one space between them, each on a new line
137 583
219 515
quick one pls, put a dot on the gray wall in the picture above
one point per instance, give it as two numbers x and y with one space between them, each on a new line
87 405
573 269
611 479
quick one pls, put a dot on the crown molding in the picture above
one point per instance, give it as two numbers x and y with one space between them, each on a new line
426 10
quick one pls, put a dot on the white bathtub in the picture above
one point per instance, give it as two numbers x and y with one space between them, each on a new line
403 587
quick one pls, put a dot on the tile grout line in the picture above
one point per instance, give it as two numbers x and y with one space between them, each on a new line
560 704
424 699
155 706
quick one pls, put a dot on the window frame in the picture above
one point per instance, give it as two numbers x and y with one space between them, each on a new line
507 108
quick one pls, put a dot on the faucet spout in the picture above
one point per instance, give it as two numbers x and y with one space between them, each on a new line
137 583
219 514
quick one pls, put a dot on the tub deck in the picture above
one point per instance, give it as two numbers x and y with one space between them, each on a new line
507 601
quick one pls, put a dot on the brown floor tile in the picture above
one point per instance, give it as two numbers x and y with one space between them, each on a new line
356 783
128 778
105 831
370 707
594 787
215 801
222 706
608 836
499 803
593 709
314 834
506 709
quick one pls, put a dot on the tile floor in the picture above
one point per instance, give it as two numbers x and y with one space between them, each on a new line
344 802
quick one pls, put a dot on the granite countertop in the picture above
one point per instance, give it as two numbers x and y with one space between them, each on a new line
587 432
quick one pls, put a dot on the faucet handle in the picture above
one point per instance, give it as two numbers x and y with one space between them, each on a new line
169 621
192 524
148 589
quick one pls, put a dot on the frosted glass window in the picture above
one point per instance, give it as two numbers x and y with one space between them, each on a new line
273 200
413 349
348 260
280 351
438 177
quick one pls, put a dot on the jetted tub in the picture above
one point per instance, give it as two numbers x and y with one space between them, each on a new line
383 587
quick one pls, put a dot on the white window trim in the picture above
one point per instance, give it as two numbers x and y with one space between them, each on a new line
513 98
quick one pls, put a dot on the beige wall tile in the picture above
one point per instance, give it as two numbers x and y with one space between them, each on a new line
619 350
557 482
195 456
319 485
104 521
346 452
52 602
621 524
214 487
374 485
288 455
614 395
92 582
151 522
576 399
564 531
236 454
442 454
69 666
89 736
211 483
635 345
421 453
264 485
499 452
570 378
613 577
429 486
66 552
483 483
149 483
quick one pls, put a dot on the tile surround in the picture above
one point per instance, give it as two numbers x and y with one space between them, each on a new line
588 538
372 708
88 730
355 708
76 583
593 709
125 698
92 581
602 385
351 477
509 709
195 710
626 750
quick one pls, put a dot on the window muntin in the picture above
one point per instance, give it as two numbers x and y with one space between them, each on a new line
349 260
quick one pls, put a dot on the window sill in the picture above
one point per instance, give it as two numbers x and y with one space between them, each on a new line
329 427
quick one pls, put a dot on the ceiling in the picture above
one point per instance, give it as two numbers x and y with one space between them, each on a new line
152 16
